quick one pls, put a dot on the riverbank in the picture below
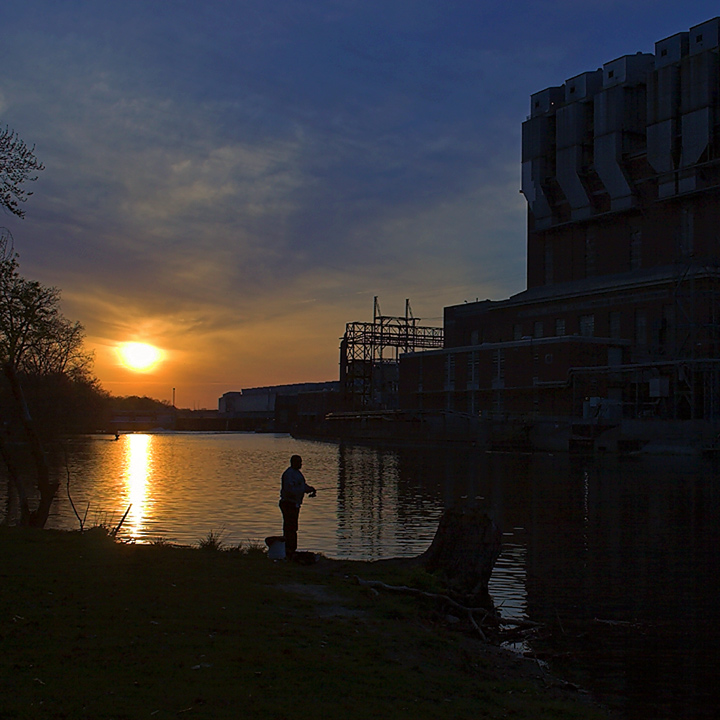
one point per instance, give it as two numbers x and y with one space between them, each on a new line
98 629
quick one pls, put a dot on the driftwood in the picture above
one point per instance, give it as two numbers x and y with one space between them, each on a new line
467 611
487 621
116 529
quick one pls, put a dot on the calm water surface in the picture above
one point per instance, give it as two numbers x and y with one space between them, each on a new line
619 559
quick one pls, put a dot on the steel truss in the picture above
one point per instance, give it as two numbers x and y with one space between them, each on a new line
370 354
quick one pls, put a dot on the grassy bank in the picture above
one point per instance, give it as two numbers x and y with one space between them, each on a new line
97 629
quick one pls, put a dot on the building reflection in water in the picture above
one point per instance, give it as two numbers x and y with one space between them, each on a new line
617 559
136 472
389 500
623 568
367 510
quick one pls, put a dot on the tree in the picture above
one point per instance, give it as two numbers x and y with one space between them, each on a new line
35 338
41 348
18 165
136 404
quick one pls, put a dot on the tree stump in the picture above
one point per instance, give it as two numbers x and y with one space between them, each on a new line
464 550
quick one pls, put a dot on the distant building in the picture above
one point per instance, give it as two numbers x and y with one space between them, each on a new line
621 315
277 407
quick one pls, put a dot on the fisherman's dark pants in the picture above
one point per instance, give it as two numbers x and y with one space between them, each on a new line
291 513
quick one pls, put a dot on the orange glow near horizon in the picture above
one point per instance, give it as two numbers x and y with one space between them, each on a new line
193 369
139 357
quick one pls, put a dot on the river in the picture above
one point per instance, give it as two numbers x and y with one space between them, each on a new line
619 559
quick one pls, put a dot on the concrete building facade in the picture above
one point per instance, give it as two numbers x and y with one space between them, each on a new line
621 173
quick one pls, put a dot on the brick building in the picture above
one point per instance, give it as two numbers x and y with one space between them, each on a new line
621 173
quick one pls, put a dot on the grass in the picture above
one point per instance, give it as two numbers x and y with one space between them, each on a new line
212 542
92 628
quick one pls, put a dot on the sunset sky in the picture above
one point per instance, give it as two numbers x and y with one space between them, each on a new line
233 182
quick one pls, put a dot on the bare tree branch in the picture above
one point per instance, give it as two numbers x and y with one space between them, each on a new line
18 165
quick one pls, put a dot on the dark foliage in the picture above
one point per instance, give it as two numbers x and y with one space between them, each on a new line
136 404
47 388
18 165
64 405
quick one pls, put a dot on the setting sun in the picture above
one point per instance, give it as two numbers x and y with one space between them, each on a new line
139 356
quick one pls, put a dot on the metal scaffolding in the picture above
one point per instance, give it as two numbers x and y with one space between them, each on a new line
370 354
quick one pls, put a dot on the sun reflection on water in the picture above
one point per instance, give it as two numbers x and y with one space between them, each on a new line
138 457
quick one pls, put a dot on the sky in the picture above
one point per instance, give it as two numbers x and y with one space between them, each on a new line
234 182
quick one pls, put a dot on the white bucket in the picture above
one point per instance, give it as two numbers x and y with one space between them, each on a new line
276 550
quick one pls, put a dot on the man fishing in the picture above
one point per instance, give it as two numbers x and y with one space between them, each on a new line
292 492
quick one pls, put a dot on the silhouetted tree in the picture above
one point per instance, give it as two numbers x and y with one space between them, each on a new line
137 404
35 338
18 165
39 348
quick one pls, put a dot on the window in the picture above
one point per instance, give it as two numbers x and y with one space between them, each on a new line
587 325
590 255
687 232
663 52
517 331
614 324
538 329
640 328
668 335
473 370
636 249
450 372
611 74
548 263
498 359
560 327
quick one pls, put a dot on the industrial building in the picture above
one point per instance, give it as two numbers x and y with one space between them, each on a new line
621 173
279 408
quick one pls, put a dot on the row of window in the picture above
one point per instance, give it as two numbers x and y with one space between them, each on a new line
634 261
473 369
685 239
585 326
